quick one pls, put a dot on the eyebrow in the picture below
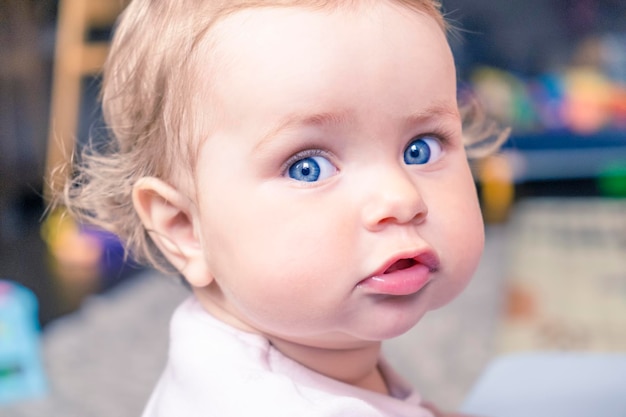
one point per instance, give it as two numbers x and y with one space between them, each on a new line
435 111
293 120
438 110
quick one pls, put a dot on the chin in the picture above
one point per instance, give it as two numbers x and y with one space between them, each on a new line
392 327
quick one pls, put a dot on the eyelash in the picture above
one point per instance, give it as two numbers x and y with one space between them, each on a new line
307 153
442 135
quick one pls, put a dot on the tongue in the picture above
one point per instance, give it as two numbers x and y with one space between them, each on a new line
401 264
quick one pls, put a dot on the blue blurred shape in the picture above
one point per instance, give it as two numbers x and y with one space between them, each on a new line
21 371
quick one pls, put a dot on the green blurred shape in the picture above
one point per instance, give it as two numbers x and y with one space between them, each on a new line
612 180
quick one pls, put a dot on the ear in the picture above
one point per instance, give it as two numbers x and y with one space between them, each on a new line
168 216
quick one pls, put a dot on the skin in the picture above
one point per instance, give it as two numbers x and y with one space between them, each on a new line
286 258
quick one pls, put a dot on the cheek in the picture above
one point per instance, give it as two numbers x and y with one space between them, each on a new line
458 233
274 237
272 261
465 224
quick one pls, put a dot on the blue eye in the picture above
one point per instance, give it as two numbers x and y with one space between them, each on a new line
422 151
311 169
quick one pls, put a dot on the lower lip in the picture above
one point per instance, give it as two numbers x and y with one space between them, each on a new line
402 282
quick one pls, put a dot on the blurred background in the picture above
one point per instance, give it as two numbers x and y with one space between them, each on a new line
84 332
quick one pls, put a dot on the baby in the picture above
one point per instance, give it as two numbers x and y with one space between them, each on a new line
302 165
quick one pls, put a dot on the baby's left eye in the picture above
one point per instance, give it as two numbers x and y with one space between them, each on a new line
311 169
422 151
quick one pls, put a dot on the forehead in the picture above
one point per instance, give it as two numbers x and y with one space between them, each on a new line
340 28
328 58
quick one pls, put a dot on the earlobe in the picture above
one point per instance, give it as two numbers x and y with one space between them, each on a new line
167 215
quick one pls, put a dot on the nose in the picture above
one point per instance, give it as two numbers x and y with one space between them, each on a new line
392 198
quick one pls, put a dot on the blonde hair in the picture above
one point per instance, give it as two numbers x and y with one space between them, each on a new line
147 103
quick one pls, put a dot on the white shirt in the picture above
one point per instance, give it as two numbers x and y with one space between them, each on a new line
215 370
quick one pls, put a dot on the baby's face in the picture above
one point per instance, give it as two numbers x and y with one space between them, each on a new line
336 203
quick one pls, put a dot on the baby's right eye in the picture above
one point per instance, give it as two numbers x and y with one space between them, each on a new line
311 169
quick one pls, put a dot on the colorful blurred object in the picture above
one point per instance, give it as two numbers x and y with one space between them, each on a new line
81 252
75 256
585 97
581 100
587 103
82 259
21 371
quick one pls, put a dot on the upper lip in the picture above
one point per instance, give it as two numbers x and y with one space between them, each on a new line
425 257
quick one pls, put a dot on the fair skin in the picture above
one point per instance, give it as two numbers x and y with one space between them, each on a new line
332 205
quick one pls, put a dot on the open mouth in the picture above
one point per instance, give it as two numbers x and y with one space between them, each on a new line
400 265
404 276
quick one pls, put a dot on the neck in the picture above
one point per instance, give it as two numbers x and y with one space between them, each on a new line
355 366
